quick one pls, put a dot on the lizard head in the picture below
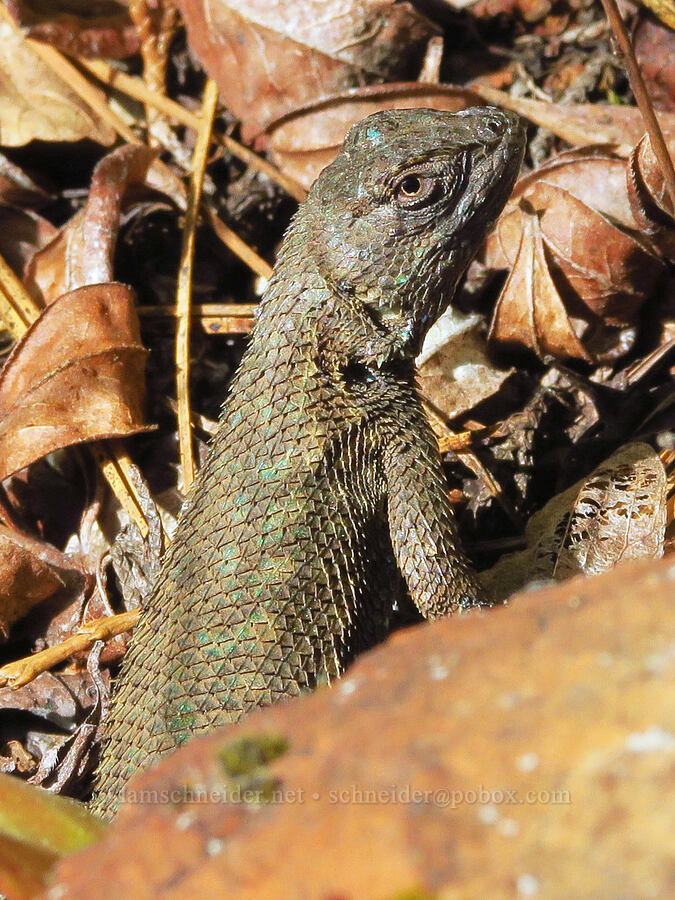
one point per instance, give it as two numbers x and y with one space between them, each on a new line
396 218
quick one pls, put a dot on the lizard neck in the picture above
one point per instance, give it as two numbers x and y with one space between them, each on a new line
302 309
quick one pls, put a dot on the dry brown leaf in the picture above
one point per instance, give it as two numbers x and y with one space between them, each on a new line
649 199
654 46
530 311
595 173
581 123
25 578
58 699
454 370
35 104
617 513
308 139
269 58
82 251
84 29
607 268
598 273
76 375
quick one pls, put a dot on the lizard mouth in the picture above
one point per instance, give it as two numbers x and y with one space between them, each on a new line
390 317
393 323
388 313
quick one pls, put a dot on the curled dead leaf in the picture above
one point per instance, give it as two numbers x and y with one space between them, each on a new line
578 268
76 375
649 199
529 310
308 139
82 252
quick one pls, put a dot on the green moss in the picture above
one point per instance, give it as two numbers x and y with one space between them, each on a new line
247 755
244 762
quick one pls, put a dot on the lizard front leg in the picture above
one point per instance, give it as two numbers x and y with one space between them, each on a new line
422 525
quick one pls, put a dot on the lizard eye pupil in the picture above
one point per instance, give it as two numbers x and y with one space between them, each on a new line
415 191
411 186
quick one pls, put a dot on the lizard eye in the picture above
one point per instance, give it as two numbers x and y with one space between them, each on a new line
414 190
411 186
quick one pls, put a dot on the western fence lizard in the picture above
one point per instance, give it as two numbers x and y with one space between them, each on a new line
323 507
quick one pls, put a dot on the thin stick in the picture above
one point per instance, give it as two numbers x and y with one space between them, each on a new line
240 248
113 461
21 671
18 310
155 25
207 310
213 318
138 89
642 97
184 289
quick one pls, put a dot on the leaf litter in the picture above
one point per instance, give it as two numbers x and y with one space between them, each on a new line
554 368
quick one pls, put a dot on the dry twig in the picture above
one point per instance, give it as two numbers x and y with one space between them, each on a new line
21 671
642 97
184 287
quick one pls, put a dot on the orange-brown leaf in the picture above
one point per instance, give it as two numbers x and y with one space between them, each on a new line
607 268
76 375
530 311
649 199
592 270
25 578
